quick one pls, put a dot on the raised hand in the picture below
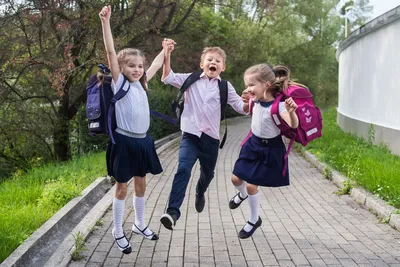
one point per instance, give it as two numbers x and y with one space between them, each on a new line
105 13
168 45
290 105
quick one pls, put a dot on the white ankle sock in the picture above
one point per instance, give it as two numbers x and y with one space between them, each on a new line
118 216
138 203
254 202
243 192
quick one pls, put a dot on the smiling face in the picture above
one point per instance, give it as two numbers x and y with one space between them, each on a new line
255 87
133 68
213 63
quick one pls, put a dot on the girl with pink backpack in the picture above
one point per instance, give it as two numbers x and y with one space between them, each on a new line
262 159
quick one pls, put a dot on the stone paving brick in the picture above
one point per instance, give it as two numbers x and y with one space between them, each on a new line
304 224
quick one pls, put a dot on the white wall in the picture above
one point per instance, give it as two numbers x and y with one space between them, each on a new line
369 78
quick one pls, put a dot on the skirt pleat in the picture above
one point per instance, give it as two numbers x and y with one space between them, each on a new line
131 156
262 163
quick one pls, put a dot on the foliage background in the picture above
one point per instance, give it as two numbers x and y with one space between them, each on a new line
50 48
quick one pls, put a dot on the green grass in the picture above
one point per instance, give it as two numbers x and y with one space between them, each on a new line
370 166
29 199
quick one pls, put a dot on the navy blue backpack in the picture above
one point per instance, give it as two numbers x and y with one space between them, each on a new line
100 104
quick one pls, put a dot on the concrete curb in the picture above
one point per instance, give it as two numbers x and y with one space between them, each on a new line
374 204
52 244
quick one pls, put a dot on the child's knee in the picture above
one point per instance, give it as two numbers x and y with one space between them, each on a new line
236 181
121 190
139 186
184 171
251 189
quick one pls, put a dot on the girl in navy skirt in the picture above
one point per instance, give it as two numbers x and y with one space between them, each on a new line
133 154
261 159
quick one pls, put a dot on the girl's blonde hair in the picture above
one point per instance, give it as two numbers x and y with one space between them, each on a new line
278 76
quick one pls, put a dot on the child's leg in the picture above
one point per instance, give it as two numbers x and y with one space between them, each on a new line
241 187
255 220
208 159
118 212
254 202
139 204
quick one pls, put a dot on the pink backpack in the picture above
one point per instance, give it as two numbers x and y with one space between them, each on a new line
310 118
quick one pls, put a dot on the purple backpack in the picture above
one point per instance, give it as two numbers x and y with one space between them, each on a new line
310 118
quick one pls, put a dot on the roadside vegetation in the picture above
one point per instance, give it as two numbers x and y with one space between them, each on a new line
29 199
370 166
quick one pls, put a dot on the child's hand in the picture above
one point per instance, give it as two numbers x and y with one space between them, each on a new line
105 13
290 105
168 45
245 96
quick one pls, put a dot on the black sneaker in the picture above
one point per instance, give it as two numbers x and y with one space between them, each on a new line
168 220
243 234
199 203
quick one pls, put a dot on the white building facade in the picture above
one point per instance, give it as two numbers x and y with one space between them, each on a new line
369 81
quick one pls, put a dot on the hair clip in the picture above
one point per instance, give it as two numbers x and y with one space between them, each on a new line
104 69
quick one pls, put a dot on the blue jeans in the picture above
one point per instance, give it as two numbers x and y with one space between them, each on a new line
192 148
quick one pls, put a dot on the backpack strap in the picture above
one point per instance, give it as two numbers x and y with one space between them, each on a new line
223 93
249 134
277 119
123 90
188 82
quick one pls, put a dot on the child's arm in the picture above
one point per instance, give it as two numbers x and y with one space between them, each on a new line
105 15
167 61
289 116
237 102
159 59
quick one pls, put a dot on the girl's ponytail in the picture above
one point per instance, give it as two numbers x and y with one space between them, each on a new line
282 79
100 77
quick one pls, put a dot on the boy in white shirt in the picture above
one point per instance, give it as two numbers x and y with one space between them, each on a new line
200 122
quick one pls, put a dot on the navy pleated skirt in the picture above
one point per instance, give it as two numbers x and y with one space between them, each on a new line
261 162
131 156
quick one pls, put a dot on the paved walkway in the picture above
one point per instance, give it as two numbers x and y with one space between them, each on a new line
305 224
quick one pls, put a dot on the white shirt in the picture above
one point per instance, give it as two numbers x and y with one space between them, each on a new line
132 112
202 105
261 122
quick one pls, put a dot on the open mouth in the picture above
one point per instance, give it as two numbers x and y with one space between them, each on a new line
212 68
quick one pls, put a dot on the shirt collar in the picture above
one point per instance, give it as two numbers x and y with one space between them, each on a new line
264 104
203 76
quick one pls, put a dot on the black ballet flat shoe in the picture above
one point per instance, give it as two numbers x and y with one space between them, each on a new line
233 205
152 236
243 234
127 249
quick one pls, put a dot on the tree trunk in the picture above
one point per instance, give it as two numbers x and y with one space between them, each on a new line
61 140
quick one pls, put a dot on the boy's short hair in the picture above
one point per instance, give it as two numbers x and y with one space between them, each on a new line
217 49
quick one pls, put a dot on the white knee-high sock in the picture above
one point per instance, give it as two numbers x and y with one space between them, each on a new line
254 202
243 192
138 203
118 216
